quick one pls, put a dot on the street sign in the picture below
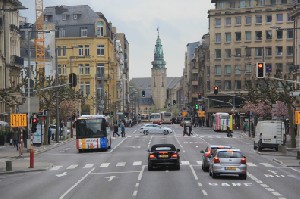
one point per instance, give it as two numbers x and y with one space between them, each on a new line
297 117
295 93
18 120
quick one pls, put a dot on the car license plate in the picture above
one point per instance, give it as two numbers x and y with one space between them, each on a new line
267 140
163 156
230 168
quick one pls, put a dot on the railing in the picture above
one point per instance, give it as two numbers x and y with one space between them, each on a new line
100 76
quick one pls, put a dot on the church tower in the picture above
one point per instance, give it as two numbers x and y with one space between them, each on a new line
159 76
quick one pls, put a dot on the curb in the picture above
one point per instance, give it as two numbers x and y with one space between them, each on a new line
26 171
281 163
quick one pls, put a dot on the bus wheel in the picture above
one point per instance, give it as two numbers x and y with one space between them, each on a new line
79 150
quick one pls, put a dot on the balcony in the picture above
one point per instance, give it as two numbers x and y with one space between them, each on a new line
16 60
195 83
100 76
194 71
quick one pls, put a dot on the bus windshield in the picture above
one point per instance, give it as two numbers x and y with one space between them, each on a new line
90 128
156 116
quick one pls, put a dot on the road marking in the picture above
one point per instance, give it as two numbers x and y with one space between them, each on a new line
267 164
250 164
141 173
117 172
121 164
185 162
194 173
137 163
61 175
104 165
73 166
55 168
88 166
199 162
199 184
135 193
110 178
76 184
204 192
137 184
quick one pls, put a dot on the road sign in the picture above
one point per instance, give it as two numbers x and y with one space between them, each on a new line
18 120
297 117
295 93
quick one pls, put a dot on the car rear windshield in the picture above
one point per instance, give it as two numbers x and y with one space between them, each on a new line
165 148
229 154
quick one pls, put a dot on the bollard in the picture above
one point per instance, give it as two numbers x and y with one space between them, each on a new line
9 165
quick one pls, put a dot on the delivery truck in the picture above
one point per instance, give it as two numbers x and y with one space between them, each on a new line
269 134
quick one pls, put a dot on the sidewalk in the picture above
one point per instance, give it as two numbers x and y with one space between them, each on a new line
288 158
21 163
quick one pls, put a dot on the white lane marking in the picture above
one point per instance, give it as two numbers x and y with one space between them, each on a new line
118 172
104 165
137 163
121 164
264 185
76 184
204 192
267 164
141 173
73 166
55 168
137 184
199 162
118 145
135 193
61 175
185 162
199 184
110 178
88 166
194 173
250 164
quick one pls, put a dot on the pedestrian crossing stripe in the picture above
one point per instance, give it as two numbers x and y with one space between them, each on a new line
140 163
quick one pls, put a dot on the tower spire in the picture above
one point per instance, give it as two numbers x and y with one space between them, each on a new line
159 61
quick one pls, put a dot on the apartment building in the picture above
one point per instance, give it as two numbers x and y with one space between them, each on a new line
85 43
10 61
242 33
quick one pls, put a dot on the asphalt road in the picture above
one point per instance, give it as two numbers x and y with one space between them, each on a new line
122 172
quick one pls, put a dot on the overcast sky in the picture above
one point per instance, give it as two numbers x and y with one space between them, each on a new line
180 22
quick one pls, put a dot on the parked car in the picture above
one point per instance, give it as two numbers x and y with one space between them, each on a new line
208 153
163 155
228 161
155 128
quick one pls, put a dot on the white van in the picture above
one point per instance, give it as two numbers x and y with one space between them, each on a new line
268 134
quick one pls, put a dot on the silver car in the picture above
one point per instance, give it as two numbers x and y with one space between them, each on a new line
228 161
155 128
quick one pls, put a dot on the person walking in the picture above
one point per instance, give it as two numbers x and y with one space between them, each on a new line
190 130
185 130
229 133
122 129
49 134
116 129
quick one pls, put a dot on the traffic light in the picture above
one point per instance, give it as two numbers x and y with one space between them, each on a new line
199 96
174 102
260 69
196 106
72 80
216 90
34 122
143 93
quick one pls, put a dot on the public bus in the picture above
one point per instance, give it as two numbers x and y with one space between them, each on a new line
221 121
93 133
145 118
166 117
155 118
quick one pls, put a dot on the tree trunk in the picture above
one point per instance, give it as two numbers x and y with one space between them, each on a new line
291 126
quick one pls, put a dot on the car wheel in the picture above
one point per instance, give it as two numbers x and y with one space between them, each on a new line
206 168
202 167
150 168
213 175
276 148
177 167
259 148
243 176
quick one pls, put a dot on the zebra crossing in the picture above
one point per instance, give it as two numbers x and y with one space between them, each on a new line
138 163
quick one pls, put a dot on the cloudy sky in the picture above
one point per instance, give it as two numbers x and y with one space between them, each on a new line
180 22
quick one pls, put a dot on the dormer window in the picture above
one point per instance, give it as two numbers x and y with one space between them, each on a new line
75 17
64 17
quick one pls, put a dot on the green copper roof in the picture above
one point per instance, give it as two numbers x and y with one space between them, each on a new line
159 61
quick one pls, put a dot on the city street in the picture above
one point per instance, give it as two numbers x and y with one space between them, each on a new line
122 171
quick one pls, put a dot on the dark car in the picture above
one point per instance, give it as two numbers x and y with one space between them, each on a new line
163 155
208 154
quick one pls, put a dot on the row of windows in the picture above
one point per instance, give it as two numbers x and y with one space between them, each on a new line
268 35
248 19
251 3
228 69
83 50
83 31
83 69
258 52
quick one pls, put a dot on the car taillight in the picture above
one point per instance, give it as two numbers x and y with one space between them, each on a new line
151 156
216 160
174 155
243 161
207 154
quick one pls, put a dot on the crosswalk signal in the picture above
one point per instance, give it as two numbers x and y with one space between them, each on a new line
216 90
260 69
143 93
34 122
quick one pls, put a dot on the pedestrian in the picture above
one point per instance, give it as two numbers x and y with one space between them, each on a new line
116 128
184 129
122 129
49 134
190 130
229 133
16 140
